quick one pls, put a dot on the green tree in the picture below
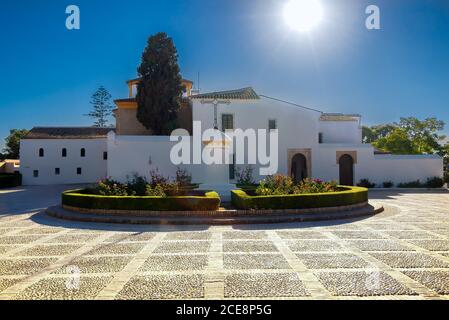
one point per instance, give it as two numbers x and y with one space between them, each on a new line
423 133
368 135
12 143
160 91
101 107
396 142
374 133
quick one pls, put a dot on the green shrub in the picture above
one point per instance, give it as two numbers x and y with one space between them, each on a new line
245 176
435 182
282 185
137 186
411 184
387 184
315 186
347 196
9 180
183 177
109 187
277 184
157 191
82 199
365 183
157 178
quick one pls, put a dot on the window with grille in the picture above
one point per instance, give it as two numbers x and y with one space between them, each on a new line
227 122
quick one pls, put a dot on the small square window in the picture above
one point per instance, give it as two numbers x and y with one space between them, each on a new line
78 171
272 125
64 152
227 122
57 171
35 173
105 155
41 152
83 152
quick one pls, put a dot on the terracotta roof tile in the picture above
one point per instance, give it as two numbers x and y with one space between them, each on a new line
68 133
238 94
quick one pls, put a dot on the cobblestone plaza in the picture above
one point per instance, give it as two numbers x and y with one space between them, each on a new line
402 253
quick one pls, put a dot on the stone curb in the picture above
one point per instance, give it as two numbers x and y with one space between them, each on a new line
163 219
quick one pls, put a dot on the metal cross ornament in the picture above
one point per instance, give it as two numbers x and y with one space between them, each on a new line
216 102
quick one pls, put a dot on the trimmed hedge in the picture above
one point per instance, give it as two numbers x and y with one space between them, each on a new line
80 199
9 180
348 196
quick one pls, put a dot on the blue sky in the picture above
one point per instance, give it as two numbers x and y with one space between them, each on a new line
48 73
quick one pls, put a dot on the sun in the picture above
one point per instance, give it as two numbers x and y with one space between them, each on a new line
303 15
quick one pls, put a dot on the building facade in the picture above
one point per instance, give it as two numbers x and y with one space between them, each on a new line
310 143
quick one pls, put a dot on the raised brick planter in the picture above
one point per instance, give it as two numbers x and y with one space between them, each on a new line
220 217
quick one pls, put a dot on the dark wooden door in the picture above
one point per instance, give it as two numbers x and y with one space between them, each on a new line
299 168
346 164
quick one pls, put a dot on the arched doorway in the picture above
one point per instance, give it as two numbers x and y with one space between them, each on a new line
346 164
299 167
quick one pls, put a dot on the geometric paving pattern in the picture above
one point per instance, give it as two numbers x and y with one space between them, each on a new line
403 253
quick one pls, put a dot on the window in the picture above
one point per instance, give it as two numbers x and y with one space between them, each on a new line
64 152
78 171
83 152
41 152
272 125
35 173
105 155
57 171
227 122
320 137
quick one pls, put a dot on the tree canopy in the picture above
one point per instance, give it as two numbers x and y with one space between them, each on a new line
160 90
101 107
410 136
12 143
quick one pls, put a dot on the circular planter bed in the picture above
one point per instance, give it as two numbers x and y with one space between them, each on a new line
203 208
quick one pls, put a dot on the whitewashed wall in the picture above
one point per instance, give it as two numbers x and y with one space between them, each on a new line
129 155
341 131
376 168
92 165
298 127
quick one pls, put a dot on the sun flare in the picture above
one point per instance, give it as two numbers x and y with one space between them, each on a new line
303 15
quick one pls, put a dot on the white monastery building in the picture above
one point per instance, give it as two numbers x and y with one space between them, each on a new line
311 143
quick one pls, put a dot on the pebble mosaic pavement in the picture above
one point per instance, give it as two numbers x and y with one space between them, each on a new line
402 253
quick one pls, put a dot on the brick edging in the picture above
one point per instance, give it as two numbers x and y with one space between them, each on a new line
214 213
162 219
